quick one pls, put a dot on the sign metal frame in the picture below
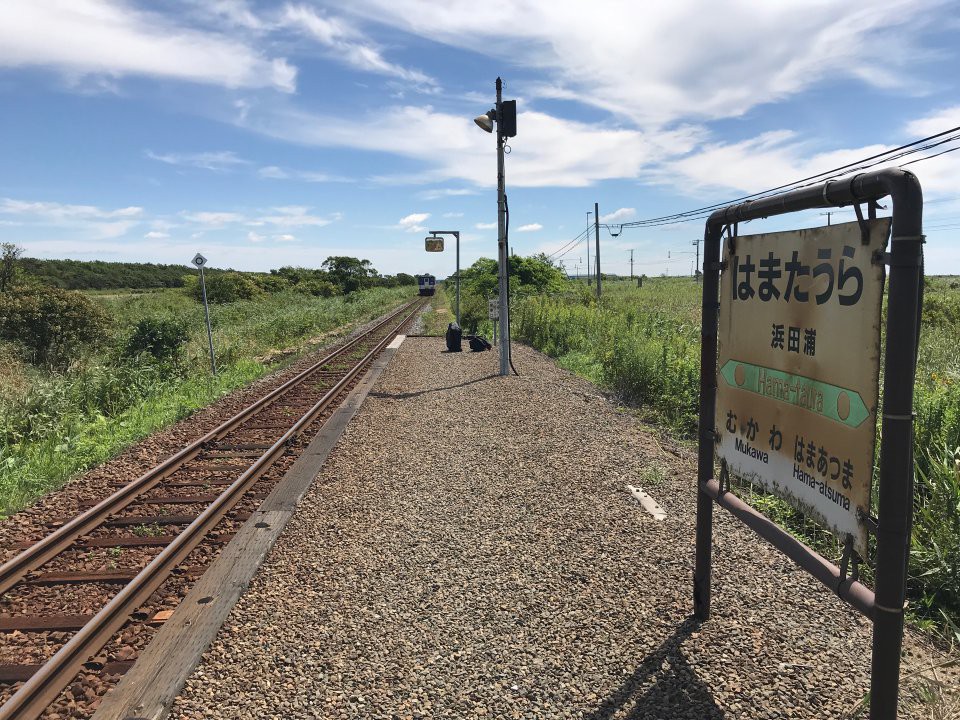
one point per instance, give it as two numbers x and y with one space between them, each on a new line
894 490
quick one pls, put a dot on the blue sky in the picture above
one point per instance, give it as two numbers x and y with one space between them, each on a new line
269 134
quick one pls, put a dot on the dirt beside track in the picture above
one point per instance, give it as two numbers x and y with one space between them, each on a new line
99 482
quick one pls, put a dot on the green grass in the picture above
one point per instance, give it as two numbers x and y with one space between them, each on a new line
54 425
643 346
435 321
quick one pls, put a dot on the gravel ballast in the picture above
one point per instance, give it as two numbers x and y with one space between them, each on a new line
471 550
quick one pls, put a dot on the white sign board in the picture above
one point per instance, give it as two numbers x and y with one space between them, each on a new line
199 260
798 368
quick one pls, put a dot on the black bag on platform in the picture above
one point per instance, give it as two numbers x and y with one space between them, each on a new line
454 338
479 344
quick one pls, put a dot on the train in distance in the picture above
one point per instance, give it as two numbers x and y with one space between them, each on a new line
427 284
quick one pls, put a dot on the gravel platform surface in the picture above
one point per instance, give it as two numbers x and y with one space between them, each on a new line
470 550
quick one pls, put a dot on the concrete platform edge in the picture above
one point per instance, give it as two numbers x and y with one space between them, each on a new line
148 690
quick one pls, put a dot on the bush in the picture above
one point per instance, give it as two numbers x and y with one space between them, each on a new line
52 325
935 550
271 283
160 337
226 287
317 288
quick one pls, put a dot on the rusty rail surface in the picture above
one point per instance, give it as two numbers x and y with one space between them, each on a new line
48 681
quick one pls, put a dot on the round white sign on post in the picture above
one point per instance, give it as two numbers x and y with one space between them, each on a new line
199 260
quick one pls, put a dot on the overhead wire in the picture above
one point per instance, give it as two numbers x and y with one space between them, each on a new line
863 163
921 145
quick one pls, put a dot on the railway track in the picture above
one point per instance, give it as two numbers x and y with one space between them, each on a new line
77 605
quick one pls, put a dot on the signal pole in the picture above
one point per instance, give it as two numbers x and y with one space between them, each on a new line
631 263
596 230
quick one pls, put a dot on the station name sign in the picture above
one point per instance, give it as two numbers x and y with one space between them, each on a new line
798 368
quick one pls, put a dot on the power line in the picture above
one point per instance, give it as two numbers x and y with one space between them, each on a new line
888 155
941 138
557 254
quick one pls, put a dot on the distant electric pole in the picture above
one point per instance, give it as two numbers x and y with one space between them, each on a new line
828 214
596 230
631 264
696 268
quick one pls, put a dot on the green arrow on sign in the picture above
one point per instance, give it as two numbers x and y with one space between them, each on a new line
839 404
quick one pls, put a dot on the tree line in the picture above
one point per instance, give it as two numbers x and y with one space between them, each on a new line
47 322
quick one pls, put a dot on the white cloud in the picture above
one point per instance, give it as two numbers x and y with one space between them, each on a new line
777 157
255 237
234 12
284 216
698 60
532 227
212 218
56 212
156 235
486 226
453 214
293 216
619 216
273 172
453 148
216 161
346 44
107 37
413 222
436 194
936 122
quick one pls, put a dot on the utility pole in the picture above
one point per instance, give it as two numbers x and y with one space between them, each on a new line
504 115
596 230
589 281
631 263
502 240
828 214
696 268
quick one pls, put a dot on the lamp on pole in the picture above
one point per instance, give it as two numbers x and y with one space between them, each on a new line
504 115
428 244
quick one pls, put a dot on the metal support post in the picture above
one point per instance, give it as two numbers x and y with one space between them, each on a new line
710 309
895 493
456 235
502 258
206 312
596 230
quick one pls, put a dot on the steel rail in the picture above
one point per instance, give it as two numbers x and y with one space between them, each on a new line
15 569
43 687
